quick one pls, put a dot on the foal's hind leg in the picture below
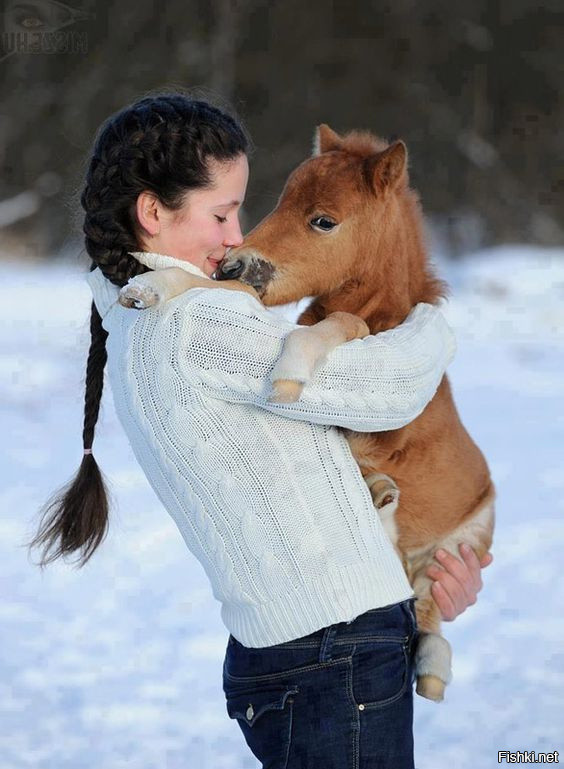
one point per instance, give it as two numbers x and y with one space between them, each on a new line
384 492
433 656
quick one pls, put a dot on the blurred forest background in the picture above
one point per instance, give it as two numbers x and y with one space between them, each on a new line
473 87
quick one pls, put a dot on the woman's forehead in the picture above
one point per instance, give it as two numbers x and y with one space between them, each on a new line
229 182
225 194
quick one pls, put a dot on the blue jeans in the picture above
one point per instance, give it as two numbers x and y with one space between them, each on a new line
339 698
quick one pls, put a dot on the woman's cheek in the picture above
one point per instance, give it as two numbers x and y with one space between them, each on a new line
218 236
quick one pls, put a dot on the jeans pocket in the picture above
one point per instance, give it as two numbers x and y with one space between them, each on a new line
409 607
380 673
265 717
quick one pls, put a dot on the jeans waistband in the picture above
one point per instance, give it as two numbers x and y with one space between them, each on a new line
394 623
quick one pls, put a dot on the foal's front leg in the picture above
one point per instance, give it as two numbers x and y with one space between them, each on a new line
305 348
155 287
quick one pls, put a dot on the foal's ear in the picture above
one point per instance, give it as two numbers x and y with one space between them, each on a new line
390 167
325 140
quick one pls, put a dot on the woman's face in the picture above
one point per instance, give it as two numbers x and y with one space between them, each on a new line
206 225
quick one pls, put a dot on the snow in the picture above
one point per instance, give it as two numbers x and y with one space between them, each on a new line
119 664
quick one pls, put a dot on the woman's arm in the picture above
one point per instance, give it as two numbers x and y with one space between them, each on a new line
229 344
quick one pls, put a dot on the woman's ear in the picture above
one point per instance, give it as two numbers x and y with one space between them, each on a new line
148 213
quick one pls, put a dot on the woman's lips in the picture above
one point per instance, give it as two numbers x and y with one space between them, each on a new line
215 264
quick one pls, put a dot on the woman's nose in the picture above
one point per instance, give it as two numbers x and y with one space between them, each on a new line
234 236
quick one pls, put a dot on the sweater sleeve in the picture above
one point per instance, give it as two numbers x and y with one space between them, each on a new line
229 344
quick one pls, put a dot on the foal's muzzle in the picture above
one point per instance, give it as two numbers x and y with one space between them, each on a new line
230 270
248 266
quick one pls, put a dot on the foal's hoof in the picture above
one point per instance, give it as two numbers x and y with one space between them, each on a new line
285 391
138 296
430 687
384 492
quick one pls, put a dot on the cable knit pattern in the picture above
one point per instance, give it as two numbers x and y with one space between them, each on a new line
267 496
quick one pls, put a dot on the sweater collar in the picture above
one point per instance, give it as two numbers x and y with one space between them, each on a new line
161 261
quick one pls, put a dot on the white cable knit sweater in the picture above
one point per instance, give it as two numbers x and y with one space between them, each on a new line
267 496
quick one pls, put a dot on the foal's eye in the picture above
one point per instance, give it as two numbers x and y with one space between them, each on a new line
323 223
221 219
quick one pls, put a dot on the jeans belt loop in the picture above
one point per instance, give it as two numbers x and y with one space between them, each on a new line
326 646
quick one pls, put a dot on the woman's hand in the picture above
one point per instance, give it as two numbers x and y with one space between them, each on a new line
456 583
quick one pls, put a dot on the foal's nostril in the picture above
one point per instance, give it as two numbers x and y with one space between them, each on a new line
230 271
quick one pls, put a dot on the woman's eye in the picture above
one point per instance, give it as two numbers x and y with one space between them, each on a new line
221 219
323 223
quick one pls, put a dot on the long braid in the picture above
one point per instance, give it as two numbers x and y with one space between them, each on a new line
160 144
95 365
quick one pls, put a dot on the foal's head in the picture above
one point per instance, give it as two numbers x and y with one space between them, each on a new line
346 219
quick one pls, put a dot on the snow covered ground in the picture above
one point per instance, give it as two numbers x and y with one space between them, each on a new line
119 664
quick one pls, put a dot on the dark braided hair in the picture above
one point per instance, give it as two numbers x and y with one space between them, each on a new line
161 144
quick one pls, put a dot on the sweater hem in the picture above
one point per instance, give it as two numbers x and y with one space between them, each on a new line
339 595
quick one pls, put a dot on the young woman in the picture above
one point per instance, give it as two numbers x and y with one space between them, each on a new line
319 664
